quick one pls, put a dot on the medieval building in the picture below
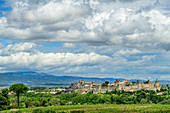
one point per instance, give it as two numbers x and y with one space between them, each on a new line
83 87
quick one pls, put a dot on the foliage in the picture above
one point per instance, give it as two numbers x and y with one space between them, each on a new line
43 111
19 88
32 100
79 111
4 99
146 82
102 108
107 82
104 84
165 102
127 84
133 82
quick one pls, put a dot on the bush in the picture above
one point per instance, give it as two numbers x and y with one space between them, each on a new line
165 102
143 101
127 84
15 107
104 84
4 107
43 111
80 111
165 93
37 111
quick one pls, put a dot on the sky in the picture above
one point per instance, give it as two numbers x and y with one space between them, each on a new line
91 38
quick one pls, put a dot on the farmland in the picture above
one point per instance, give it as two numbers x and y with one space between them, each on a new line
103 108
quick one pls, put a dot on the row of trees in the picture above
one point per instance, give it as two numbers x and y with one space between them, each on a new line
115 97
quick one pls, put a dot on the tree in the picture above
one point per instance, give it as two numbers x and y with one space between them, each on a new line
18 88
104 84
4 99
107 82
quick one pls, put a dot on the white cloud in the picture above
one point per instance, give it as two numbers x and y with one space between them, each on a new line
18 47
1 45
26 56
49 13
113 36
136 24
165 77
127 52
68 45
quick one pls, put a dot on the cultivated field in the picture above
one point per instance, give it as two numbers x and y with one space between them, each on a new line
100 108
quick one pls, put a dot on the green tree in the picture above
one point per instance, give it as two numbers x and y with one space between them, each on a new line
18 88
104 84
4 99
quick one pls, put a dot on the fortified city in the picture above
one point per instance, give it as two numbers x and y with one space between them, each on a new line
126 85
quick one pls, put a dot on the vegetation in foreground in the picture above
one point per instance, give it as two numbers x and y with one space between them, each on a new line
99 108
137 100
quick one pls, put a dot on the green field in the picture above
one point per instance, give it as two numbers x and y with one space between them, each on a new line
100 108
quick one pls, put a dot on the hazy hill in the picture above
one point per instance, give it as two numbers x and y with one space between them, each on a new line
33 78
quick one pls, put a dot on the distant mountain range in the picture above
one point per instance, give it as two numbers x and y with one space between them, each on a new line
42 79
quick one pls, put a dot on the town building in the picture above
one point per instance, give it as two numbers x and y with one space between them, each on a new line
84 87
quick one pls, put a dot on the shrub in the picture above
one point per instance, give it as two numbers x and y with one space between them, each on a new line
80 111
104 84
143 101
127 84
43 111
165 102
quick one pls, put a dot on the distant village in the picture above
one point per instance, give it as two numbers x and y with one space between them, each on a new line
84 87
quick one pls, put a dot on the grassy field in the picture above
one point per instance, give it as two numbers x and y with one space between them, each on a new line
100 108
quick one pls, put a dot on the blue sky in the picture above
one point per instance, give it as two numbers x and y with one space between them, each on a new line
4 7
118 38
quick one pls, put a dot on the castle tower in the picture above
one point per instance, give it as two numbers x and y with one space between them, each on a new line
139 85
108 87
93 83
156 83
152 85
81 81
116 82
119 87
99 88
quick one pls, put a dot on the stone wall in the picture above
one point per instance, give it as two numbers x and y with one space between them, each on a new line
82 86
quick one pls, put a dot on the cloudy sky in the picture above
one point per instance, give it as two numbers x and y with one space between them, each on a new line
92 38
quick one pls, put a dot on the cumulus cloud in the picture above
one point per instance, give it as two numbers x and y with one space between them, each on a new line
18 47
48 13
132 24
68 45
1 45
127 52
165 77
25 56
97 36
